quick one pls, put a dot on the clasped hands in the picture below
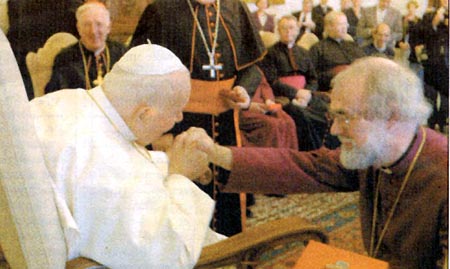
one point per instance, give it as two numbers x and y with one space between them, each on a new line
190 155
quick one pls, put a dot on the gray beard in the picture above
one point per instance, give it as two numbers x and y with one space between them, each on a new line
367 155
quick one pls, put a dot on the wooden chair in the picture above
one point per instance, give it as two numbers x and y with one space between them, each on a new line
307 40
268 38
40 63
244 250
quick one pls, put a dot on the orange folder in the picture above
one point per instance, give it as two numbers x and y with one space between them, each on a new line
318 255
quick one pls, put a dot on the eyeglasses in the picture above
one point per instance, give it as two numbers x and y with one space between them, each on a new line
340 116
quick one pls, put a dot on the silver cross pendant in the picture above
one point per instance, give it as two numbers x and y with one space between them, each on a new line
212 67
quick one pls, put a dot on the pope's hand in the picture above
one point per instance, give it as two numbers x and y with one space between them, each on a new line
187 159
236 97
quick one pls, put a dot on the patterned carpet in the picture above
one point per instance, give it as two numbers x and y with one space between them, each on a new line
337 212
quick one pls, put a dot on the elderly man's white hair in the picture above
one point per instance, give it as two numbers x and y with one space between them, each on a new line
84 7
388 89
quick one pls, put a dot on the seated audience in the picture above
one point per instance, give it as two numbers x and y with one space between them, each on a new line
372 16
263 20
399 167
307 19
84 64
121 205
319 12
353 14
290 72
333 54
379 44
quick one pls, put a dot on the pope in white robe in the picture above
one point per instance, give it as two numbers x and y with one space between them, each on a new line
121 205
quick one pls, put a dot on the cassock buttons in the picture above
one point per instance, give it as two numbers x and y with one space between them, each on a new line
222 75
218 54
212 24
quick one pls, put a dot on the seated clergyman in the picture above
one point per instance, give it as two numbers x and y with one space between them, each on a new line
84 64
121 205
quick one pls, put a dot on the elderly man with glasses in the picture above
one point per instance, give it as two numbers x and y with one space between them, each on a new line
398 166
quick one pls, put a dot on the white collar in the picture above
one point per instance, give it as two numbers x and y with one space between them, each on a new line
110 113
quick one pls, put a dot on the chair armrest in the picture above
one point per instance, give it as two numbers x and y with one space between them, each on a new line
84 263
248 246
245 247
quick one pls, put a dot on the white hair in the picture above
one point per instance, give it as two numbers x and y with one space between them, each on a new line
388 89
87 6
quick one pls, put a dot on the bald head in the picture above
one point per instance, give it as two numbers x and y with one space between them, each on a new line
336 25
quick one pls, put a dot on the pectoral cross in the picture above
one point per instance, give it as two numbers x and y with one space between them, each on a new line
99 80
212 67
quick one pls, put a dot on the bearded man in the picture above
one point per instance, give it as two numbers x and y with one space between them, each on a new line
398 166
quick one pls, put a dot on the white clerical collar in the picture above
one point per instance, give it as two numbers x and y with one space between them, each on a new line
99 51
103 103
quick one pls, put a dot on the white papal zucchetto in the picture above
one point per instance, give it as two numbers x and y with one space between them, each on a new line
149 59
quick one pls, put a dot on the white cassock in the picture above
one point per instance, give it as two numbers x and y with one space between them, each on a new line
117 206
